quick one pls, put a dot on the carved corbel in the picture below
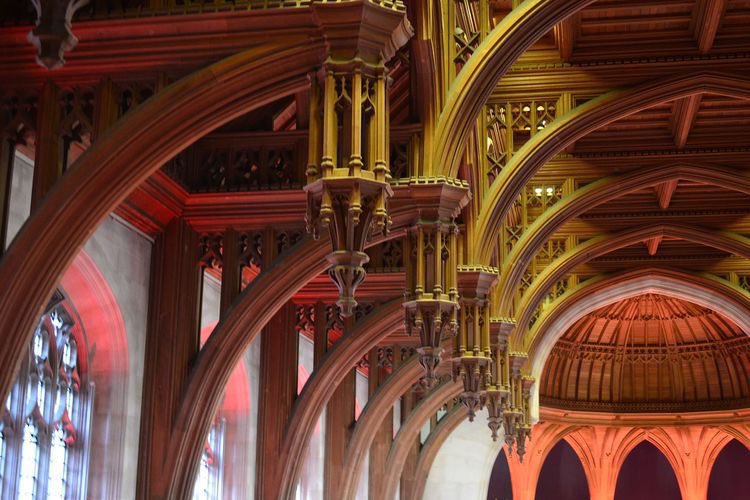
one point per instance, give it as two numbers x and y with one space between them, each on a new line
52 36
473 351
431 256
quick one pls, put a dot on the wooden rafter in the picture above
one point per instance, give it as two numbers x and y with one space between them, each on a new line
707 16
664 192
565 35
684 112
652 245
285 118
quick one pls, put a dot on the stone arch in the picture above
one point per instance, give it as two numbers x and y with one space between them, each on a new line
728 471
584 119
597 193
702 289
634 451
568 464
432 446
400 447
372 418
318 390
501 483
107 341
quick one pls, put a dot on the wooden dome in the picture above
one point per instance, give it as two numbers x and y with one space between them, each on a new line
649 353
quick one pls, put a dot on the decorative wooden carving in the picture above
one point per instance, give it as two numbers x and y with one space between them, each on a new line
52 35
431 297
472 354
347 174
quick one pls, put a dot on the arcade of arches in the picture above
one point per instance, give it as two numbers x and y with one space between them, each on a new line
375 249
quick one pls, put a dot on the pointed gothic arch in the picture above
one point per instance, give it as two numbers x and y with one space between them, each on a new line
584 119
118 162
501 483
729 476
596 194
562 475
647 474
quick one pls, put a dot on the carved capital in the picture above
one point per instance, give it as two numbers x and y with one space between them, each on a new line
369 30
439 198
475 282
500 330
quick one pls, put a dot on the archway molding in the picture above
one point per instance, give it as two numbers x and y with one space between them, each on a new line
318 390
525 24
124 157
225 346
592 115
727 241
99 313
661 440
409 430
525 475
598 193
432 446
372 418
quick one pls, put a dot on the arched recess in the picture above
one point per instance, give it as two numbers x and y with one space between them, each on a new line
372 418
501 486
594 114
525 24
319 388
646 474
464 455
106 337
729 242
409 429
246 317
703 289
562 476
729 477
125 156
432 446
597 193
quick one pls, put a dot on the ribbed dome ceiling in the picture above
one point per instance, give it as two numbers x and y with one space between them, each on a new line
649 353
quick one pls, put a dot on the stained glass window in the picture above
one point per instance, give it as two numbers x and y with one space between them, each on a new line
29 462
45 422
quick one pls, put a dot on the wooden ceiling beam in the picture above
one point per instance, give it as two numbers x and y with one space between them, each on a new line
652 245
707 16
631 5
664 192
565 35
684 112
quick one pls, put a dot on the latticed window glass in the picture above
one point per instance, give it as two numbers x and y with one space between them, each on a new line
29 462
58 465
44 425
